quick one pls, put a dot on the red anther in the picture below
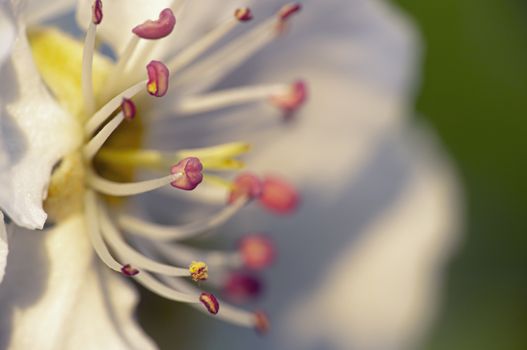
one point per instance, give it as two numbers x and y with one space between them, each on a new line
279 196
190 173
288 10
129 271
210 302
257 251
261 322
294 99
158 76
243 14
128 109
245 184
242 287
157 29
96 12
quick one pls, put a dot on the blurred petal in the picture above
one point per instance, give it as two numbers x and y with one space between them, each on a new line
56 295
37 11
380 204
381 291
7 32
362 269
358 64
29 119
3 247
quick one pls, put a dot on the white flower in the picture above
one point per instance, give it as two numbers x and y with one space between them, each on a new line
361 67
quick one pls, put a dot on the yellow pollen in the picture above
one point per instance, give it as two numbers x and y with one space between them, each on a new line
199 271
152 87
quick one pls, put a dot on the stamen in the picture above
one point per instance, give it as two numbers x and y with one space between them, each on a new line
97 12
102 114
218 65
157 29
246 185
128 189
210 302
118 70
190 171
182 254
92 220
128 108
159 288
206 42
243 14
285 13
261 322
129 271
279 196
114 238
87 58
135 55
158 77
257 251
179 232
228 98
98 140
242 287
289 10
227 313
292 99
199 271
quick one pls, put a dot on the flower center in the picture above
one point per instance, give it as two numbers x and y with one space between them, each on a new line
109 99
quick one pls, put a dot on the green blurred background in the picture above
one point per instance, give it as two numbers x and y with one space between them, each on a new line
474 93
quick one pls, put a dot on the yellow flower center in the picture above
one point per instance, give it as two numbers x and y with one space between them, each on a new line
58 57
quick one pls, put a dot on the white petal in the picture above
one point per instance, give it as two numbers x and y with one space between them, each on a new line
3 247
56 295
34 134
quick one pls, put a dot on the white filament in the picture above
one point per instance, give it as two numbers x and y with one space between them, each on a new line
102 114
100 138
199 47
117 71
226 98
92 221
179 232
132 256
159 288
128 189
182 254
218 65
87 63
227 312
